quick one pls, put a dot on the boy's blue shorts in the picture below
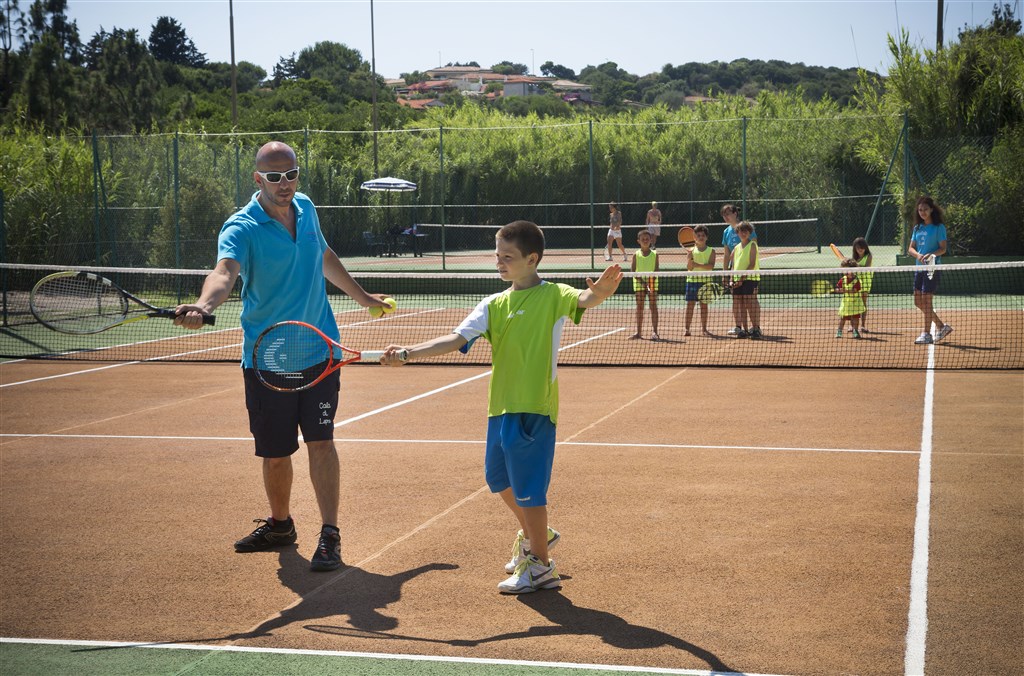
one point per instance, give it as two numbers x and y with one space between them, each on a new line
692 288
520 452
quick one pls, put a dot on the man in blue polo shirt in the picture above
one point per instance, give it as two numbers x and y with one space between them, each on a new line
275 245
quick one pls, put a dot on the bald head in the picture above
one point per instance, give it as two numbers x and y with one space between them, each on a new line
275 154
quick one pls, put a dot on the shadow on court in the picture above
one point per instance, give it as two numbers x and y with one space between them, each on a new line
352 592
567 620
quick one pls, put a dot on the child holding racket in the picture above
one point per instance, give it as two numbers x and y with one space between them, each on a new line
745 259
928 245
523 325
645 260
730 240
862 256
852 304
274 243
699 257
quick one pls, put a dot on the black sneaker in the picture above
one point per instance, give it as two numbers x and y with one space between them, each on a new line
265 537
742 333
328 551
755 333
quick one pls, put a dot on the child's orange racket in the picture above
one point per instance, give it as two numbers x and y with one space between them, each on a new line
292 356
837 252
686 236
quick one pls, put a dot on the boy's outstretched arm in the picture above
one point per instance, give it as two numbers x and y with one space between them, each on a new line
604 287
431 348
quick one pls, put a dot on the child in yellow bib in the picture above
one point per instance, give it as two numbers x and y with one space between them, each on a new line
745 261
701 257
645 260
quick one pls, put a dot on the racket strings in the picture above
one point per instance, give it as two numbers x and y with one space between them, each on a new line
78 304
291 356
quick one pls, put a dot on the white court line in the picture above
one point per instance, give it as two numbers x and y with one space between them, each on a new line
476 442
376 656
917 615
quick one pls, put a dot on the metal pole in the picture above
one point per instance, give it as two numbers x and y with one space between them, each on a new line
373 90
177 207
938 29
744 178
96 195
234 69
590 146
440 154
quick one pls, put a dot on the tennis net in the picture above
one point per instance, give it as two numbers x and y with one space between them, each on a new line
984 303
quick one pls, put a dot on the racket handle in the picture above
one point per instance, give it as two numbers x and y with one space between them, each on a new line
209 320
375 355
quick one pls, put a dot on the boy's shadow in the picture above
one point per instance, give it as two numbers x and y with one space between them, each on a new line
363 598
568 620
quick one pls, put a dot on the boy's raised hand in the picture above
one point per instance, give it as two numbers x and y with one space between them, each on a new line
607 283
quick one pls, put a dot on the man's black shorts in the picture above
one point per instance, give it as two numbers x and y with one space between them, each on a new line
275 418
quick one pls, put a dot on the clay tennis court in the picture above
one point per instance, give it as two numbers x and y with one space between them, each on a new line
735 520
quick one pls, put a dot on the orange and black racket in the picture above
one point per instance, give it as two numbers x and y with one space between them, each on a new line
292 356
837 252
686 236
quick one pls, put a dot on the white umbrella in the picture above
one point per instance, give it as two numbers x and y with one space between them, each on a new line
388 184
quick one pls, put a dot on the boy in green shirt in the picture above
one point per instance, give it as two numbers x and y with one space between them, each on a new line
524 326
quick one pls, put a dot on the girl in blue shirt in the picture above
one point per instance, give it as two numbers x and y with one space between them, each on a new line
928 241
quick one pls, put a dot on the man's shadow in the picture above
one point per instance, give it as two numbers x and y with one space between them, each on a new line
568 620
363 598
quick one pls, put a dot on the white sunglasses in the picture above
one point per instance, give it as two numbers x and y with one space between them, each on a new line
276 176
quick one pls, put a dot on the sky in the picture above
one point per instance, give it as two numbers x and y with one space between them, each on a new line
640 36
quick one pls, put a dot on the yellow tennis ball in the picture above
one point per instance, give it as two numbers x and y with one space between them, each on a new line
378 312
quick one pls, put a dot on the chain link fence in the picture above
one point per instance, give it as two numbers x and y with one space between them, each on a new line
160 200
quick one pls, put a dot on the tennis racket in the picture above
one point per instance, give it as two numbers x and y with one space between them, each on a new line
292 356
709 293
929 262
81 303
837 252
820 288
686 236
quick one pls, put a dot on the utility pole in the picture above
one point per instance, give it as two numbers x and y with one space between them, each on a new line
938 29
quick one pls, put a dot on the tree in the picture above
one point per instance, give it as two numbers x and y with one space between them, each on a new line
413 77
124 86
561 72
331 61
509 68
48 94
50 17
13 27
284 70
168 42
